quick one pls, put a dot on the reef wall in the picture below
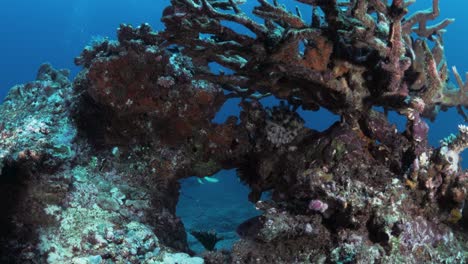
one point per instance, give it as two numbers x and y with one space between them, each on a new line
90 168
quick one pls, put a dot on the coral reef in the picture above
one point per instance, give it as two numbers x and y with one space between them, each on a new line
90 169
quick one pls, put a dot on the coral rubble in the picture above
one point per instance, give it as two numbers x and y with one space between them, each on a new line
90 169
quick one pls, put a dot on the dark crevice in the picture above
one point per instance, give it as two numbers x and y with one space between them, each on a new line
12 189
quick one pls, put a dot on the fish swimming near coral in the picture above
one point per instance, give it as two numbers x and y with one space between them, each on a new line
207 179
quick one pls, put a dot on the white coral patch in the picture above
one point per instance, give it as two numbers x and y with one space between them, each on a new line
463 129
424 160
451 157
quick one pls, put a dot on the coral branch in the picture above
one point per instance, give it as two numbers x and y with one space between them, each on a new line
278 14
421 19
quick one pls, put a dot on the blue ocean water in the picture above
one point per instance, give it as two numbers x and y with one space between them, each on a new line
220 207
55 31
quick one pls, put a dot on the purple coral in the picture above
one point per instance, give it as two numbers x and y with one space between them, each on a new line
419 128
318 206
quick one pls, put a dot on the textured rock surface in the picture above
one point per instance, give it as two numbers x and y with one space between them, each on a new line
65 202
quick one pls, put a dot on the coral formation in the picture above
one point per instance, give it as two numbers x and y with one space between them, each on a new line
90 169
208 239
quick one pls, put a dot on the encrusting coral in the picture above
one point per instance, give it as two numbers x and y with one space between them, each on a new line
113 144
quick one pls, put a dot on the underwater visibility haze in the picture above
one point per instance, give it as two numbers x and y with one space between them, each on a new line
234 131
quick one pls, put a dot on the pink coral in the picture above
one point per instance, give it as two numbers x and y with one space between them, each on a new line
318 206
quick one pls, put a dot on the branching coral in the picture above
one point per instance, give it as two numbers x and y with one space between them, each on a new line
359 55
328 73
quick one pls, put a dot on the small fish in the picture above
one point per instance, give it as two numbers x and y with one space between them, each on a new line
207 179
211 179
